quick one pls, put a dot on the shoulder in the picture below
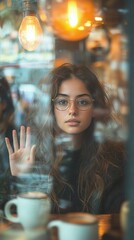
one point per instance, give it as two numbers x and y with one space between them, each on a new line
114 160
119 146
114 150
117 157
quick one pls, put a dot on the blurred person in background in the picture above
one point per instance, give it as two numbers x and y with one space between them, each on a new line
21 107
6 127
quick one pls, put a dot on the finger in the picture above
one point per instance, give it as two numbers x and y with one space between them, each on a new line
32 154
22 137
9 147
28 137
15 141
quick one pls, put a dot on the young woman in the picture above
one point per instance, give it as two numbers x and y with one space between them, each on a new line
87 175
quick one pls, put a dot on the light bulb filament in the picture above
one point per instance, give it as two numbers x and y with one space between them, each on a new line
30 33
72 13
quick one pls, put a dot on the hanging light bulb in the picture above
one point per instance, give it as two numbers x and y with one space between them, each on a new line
30 31
72 13
71 19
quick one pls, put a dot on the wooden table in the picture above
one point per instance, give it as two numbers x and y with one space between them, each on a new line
106 224
110 225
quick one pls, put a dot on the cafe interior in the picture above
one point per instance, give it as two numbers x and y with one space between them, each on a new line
38 35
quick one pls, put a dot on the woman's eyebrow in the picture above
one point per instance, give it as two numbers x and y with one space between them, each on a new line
83 95
62 94
80 95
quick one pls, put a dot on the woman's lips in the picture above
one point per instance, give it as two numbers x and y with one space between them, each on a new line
72 122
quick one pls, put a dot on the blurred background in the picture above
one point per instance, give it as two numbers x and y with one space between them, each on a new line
92 32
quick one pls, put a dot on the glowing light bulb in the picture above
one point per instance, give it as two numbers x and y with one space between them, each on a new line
71 20
30 33
72 13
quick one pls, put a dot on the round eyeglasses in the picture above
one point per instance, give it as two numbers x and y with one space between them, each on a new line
82 103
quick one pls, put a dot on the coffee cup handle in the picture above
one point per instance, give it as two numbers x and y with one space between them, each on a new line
55 223
8 213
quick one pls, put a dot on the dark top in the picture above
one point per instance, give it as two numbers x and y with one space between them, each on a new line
114 189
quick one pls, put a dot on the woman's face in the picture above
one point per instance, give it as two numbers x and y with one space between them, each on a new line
73 120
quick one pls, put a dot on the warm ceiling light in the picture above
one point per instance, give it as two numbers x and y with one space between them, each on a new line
72 13
99 19
30 31
42 15
71 19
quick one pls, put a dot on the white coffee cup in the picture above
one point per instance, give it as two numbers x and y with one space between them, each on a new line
76 226
33 209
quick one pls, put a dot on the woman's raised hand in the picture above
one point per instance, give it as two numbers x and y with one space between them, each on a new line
22 155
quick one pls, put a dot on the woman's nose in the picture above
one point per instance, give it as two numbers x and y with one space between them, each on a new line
72 107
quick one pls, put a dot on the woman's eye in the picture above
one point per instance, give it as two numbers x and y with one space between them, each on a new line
62 102
83 102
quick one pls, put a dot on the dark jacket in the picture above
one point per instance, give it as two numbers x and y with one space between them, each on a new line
114 181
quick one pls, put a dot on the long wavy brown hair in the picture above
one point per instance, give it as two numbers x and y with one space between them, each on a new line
7 114
94 162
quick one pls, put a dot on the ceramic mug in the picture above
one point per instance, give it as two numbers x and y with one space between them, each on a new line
76 226
33 209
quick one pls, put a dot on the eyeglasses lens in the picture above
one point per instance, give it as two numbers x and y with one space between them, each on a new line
82 103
